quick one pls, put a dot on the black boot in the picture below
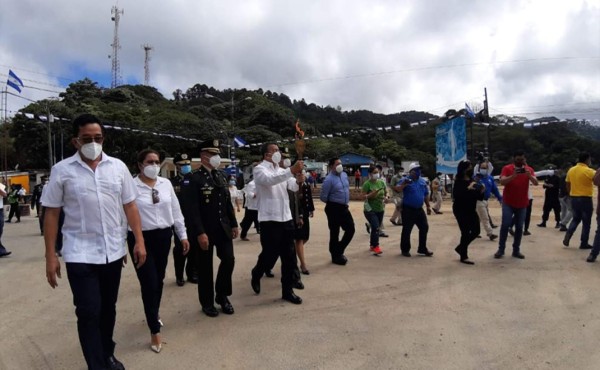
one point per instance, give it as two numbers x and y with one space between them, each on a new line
543 224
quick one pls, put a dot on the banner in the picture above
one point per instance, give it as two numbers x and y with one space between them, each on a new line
450 145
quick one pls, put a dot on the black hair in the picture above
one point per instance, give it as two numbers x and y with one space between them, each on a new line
264 149
85 119
141 156
518 153
583 157
462 168
379 167
373 168
332 161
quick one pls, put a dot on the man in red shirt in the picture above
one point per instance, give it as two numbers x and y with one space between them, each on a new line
515 199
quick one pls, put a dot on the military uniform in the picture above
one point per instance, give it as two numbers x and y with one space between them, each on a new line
208 210
179 182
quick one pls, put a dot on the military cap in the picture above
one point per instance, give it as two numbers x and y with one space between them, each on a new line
182 159
285 152
211 146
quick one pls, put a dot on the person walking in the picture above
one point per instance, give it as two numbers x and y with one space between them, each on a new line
416 192
485 178
160 213
396 218
596 247
436 194
94 190
251 212
580 185
566 212
551 199
211 224
15 194
3 251
335 193
466 192
357 177
374 191
515 199
302 233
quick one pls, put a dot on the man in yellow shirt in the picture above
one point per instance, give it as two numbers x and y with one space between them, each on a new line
581 189
596 250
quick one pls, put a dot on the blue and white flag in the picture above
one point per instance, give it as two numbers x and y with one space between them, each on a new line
470 112
14 81
239 141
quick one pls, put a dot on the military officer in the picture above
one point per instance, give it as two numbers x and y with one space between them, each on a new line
212 225
180 180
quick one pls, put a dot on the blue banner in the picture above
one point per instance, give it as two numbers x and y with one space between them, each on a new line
451 145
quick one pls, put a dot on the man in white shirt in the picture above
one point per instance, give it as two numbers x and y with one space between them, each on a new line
97 194
251 214
3 251
275 217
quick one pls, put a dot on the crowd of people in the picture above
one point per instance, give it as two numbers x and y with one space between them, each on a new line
96 215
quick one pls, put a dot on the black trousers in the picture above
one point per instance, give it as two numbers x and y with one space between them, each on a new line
179 259
277 241
206 283
410 218
468 223
550 204
14 211
250 217
339 216
152 273
95 289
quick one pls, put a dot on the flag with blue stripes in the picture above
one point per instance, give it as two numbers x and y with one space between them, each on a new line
239 141
14 81
470 112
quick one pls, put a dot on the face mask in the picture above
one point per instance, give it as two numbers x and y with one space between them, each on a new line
215 161
231 183
91 150
339 168
151 171
417 173
375 176
276 157
286 163
185 169
484 172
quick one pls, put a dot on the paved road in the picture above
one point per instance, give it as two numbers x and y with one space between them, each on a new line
386 312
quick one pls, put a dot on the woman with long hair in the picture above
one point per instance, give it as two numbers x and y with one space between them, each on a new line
374 194
306 208
465 193
159 212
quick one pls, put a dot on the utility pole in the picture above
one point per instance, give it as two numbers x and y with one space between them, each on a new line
487 118
147 48
116 46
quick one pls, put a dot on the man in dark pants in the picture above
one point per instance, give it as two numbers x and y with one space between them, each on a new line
275 217
335 193
581 189
211 222
93 189
251 213
416 192
36 195
183 164
551 201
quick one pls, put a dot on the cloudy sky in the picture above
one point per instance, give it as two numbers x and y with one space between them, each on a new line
536 57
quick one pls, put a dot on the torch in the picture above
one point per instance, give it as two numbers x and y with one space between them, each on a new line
299 143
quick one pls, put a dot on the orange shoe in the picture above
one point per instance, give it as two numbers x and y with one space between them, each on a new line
376 250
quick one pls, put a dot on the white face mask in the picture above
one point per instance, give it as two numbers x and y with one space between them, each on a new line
286 163
276 157
375 176
215 161
339 168
483 171
151 171
91 150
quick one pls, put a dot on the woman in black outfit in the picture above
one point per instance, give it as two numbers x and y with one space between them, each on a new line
465 194
306 208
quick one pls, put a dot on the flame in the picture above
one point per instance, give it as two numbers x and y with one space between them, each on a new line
299 132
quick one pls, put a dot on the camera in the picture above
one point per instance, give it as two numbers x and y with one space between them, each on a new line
477 186
520 170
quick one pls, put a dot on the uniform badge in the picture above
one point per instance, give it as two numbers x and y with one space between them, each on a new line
216 143
184 156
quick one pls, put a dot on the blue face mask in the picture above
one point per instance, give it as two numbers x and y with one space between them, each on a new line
185 169
417 173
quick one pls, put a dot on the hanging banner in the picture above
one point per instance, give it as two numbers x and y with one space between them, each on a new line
451 145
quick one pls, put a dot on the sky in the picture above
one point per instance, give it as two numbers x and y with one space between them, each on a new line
535 57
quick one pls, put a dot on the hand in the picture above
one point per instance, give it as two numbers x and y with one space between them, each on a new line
186 246
428 210
52 270
203 241
234 233
300 223
139 254
297 167
311 214
300 178
124 261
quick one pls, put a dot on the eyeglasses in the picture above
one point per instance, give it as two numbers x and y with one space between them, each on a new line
155 197
86 140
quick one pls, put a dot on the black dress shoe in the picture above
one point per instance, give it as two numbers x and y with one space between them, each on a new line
498 254
269 274
526 233
511 232
562 228
585 246
591 258
298 285
5 252
210 311
543 224
255 283
425 253
193 279
466 261
291 297
305 272
340 260
518 255
406 254
180 282
567 239
557 226
114 364
494 226
226 306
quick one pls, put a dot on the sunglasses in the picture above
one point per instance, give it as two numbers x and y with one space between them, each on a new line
155 197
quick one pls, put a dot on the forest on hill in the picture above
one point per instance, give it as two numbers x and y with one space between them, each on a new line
139 117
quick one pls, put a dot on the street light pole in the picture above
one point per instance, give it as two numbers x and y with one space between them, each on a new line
50 121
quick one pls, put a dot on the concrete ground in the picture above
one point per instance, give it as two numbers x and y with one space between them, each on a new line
387 312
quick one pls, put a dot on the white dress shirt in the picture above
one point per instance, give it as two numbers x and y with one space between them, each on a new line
250 191
95 225
271 192
163 214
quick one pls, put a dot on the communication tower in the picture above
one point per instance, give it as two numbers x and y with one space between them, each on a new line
116 46
147 48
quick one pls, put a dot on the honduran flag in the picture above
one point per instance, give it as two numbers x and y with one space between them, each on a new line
14 81
470 112
239 141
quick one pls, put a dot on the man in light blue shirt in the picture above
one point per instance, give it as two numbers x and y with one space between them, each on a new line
336 194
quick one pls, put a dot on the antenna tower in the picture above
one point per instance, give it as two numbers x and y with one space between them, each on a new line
147 48
116 46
